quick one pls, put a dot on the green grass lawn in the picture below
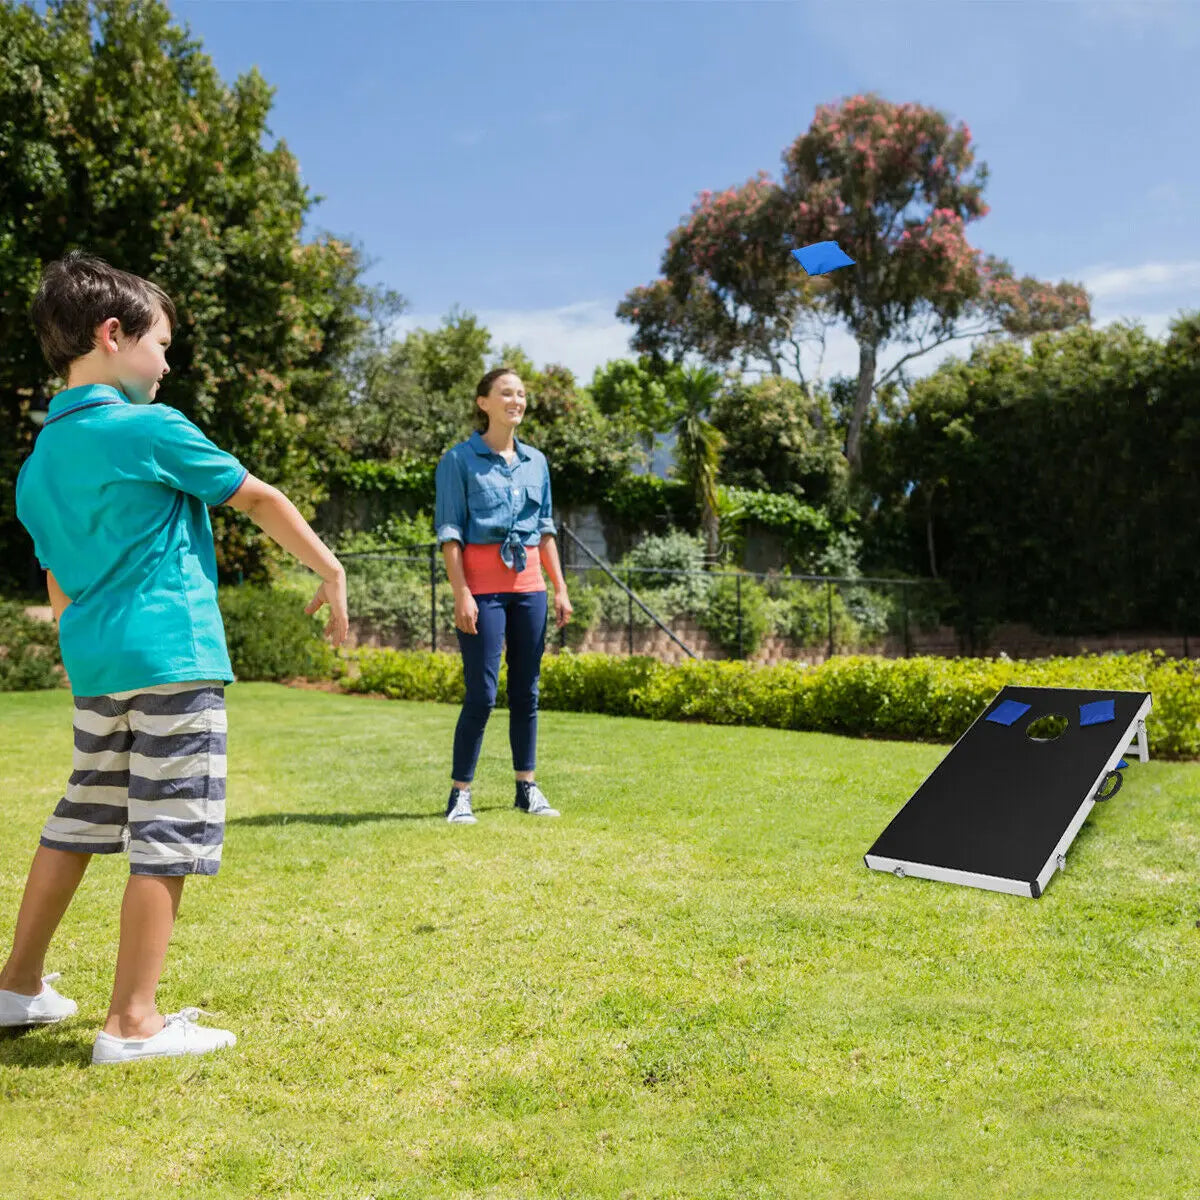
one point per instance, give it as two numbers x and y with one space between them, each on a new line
689 986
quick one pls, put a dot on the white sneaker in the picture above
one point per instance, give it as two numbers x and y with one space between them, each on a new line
535 803
458 807
43 1009
179 1036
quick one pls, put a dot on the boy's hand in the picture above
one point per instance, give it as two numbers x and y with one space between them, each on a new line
333 592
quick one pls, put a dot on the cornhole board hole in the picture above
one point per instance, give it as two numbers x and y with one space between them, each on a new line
1002 807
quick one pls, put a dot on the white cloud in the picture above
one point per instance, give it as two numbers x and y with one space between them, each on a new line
1116 283
580 336
585 335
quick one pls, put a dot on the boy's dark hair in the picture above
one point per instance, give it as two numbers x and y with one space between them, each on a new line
484 386
78 292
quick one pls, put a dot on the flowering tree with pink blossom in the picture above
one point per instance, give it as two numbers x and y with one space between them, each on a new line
895 185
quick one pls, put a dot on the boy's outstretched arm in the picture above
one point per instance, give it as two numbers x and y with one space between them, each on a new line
280 520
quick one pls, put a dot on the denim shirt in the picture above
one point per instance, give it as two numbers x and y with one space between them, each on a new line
482 500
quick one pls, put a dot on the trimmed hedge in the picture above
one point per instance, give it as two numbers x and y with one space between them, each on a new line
917 699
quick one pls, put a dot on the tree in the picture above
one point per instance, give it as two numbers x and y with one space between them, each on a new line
639 394
118 136
698 448
414 397
1047 485
895 185
772 442
586 451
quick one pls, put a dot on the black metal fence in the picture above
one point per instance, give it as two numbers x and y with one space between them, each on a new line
834 613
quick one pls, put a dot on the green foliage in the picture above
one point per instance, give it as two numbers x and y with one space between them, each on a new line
391 597
806 532
1049 486
118 135
780 437
802 616
410 675
736 613
933 699
664 552
270 636
637 394
586 603
647 502
365 494
587 452
698 447
415 398
29 657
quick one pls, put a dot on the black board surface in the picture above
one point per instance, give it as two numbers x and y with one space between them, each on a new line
1000 802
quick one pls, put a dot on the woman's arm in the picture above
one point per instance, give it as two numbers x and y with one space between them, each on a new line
466 611
562 604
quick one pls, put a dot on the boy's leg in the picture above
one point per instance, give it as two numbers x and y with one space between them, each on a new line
176 829
53 878
147 918
481 674
89 819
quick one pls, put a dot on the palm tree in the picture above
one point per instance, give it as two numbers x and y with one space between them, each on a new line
698 447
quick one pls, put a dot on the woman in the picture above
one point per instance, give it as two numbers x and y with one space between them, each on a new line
495 530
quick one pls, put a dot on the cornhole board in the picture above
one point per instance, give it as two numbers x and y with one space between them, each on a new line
1001 808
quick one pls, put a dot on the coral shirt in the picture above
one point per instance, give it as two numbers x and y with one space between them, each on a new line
486 573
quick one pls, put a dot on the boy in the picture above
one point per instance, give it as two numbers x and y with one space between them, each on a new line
115 496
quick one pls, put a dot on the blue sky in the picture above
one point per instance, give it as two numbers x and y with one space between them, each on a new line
526 161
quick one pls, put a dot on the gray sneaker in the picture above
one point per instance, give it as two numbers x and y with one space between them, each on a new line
458 807
531 800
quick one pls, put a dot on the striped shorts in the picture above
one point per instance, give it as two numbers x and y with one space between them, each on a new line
149 775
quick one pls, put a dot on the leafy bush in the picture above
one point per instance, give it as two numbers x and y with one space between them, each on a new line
649 502
665 552
391 597
802 615
805 531
412 675
719 616
586 602
270 636
29 656
933 699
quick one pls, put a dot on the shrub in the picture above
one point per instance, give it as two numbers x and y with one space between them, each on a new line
586 602
802 615
270 636
922 699
736 613
29 656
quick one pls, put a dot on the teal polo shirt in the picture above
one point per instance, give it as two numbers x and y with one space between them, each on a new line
115 496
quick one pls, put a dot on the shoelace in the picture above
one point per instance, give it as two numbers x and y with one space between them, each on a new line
52 977
185 1016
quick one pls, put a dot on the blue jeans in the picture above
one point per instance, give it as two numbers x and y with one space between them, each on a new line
518 618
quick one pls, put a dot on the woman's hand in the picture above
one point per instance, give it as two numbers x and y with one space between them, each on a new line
562 607
465 611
